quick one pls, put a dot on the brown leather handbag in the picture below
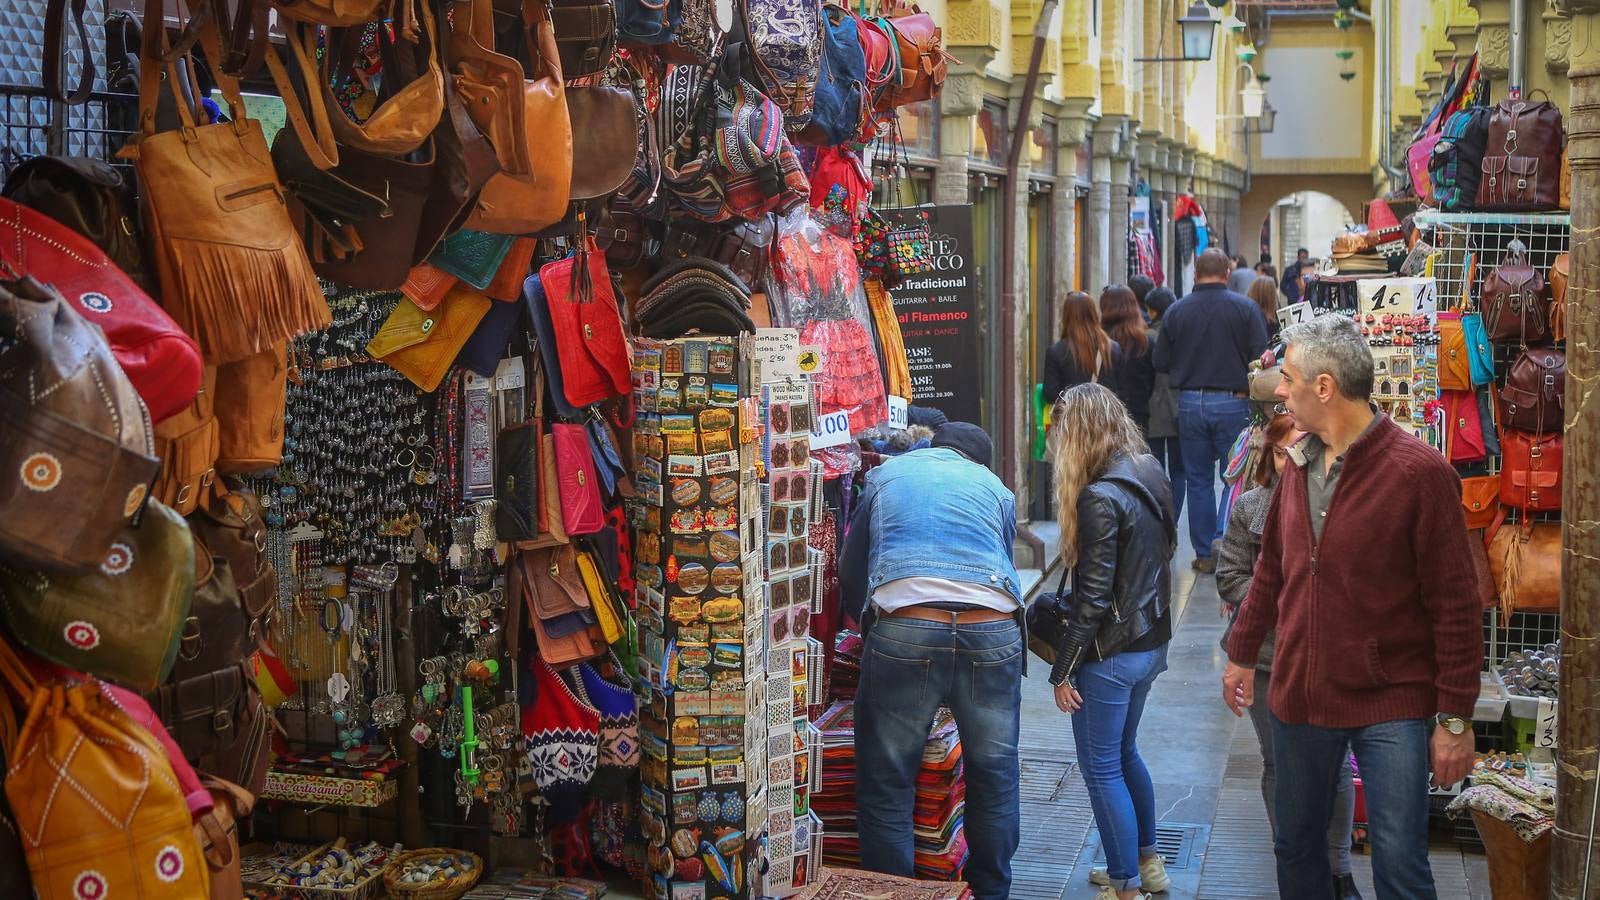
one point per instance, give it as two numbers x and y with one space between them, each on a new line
218 834
91 197
525 118
1480 500
604 139
77 447
233 271
1534 395
1522 159
413 92
463 163
550 584
220 724
236 585
252 395
1514 302
1525 565
1560 276
586 36
1530 471
919 48
187 445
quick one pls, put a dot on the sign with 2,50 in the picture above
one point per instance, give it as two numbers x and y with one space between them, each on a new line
1398 296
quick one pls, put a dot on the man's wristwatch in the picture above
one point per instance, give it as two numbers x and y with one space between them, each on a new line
1452 723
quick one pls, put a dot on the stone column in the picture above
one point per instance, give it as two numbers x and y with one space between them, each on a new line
1099 241
1121 200
1070 133
958 105
1580 509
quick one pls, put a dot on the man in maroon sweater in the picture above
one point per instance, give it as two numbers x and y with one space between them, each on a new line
1366 574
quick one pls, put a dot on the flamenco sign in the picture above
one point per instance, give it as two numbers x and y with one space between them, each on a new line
938 314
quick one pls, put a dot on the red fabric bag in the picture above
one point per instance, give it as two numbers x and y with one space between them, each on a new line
593 354
581 509
161 362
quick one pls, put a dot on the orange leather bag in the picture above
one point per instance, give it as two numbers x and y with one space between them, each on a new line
1480 500
187 445
252 395
1525 565
98 808
218 834
1560 275
525 118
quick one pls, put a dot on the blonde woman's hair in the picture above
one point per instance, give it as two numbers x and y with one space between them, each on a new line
1090 429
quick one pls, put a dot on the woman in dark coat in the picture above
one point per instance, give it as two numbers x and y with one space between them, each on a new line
1085 352
1134 375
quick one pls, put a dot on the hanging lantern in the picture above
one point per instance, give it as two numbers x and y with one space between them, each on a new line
1251 101
1245 52
1199 31
1342 20
1345 55
1347 75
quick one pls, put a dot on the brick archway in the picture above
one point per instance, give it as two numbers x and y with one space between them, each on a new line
1267 190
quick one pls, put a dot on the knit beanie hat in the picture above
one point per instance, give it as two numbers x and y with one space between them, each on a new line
967 439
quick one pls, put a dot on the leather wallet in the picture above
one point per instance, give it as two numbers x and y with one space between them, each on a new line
473 256
420 344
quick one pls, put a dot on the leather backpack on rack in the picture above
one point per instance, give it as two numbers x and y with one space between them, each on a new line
89 197
1530 471
233 271
1455 166
1525 564
1514 302
232 612
161 362
1522 160
586 35
919 47
77 438
744 247
220 724
100 812
1534 395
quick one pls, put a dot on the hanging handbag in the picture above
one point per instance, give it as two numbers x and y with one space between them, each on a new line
1455 363
507 284
475 257
548 584
121 620
601 599
77 439
1534 395
158 358
484 350
422 345
1530 471
233 272
1480 353
1480 500
1525 565
219 722
1560 275
98 806
544 334
427 284
1514 303
604 127
218 834
1464 424
841 91
581 509
1522 160
413 85
89 197
230 533
744 247
919 48
593 352
251 398
526 121
463 163
786 45
516 462
586 37
187 445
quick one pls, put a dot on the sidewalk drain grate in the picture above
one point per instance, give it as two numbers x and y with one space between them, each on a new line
1175 842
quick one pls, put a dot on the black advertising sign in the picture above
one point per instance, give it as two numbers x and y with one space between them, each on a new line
938 315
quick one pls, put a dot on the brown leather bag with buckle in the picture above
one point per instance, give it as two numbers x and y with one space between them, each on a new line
77 448
233 271
1480 496
220 724
1530 471
463 163
1514 302
1522 159
586 35
919 46
525 118
218 833
187 445
1534 396
550 584
236 586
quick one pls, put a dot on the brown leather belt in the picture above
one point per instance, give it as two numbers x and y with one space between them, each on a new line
954 617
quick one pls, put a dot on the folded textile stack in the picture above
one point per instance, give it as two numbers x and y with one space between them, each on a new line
941 845
851 884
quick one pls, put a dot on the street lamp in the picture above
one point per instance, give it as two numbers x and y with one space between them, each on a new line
1267 119
1199 31
1252 99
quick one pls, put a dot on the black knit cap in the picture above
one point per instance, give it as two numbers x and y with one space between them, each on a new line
967 439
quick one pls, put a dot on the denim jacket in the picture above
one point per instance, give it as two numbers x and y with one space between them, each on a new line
929 513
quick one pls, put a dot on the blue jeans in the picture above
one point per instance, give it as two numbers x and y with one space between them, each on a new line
1208 424
909 669
1342 822
1393 758
1105 730
1169 452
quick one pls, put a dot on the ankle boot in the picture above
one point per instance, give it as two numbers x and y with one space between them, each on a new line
1344 888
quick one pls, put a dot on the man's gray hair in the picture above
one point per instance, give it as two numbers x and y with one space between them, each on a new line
1332 345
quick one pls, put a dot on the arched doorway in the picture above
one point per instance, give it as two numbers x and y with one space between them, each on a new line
1307 220
1267 192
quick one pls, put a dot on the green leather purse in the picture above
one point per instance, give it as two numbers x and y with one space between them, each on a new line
122 620
473 256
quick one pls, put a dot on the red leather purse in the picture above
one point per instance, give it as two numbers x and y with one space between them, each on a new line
160 360
581 509
1530 471
588 328
1464 425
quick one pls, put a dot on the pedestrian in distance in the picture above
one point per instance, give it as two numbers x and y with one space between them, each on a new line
1240 279
1293 275
1263 292
1162 433
1366 574
1084 352
1118 534
926 568
1135 376
1236 563
1208 340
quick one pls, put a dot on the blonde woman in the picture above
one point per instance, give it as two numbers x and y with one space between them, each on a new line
1117 535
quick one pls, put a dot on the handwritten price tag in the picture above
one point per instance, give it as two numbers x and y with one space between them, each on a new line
831 430
1544 726
1398 296
1295 313
898 415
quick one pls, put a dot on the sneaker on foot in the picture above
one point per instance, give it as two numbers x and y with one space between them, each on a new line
1152 875
1107 893
1205 565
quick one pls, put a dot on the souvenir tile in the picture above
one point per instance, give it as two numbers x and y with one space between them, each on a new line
778 415
778 632
678 423
692 779
728 655
798 553
799 448
777 557
724 680
694 634
778 520
723 490
691 890
650 598
779 488
693 656
722 463
800 588
802 797
802 776
721 518
654 801
724 393
778 744
685 811
685 731
749 420
686 491
682 443
719 441
649 492
690 756
651 620
646 354
691 680
696 391
695 357
692 703
669 396
778 594
725 631
647 548
800 623
799 695
798 876
720 358
780 819
722 610
797 663
716 420
653 646
777 659
780 871
681 466
688 546
726 578
647 446
800 418
683 610
755 811
672 359
797 521
688 520
778 455
724 546
727 703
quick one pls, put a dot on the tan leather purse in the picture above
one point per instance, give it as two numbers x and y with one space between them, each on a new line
525 118
422 345
1560 275
1525 565
1480 500
252 395
187 445
233 271
218 834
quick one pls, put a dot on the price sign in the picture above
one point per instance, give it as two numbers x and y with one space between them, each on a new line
1398 296
830 430
777 349
898 413
1295 313
1544 724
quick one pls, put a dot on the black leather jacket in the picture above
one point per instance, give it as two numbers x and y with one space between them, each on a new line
1122 583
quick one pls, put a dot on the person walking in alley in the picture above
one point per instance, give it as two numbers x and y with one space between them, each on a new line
1236 563
1135 376
1084 352
1162 435
926 568
1118 533
1291 274
1242 276
1208 340
1367 576
1263 292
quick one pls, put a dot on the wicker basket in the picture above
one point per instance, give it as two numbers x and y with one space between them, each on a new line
446 890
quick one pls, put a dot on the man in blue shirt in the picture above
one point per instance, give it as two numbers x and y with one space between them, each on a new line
1207 342
926 568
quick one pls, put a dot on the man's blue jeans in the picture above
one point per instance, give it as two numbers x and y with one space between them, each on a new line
1393 760
909 669
1105 730
1169 453
1208 424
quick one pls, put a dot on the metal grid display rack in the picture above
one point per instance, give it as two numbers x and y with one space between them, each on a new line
1471 245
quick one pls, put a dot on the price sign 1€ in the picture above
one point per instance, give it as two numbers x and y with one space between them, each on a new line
1398 296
